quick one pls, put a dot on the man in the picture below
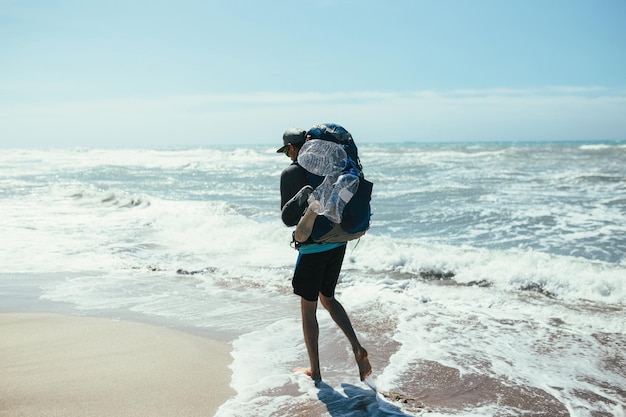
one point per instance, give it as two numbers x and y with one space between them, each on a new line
318 265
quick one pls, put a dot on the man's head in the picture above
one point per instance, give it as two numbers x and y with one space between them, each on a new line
293 139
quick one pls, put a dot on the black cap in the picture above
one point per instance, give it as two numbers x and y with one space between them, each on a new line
292 135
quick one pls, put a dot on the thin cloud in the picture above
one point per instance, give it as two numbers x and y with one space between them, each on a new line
269 98
551 113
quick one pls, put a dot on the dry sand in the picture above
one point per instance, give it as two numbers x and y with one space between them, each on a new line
53 365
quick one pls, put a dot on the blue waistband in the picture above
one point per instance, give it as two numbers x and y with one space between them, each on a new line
318 247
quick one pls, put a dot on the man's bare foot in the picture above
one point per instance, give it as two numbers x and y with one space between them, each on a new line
365 369
315 376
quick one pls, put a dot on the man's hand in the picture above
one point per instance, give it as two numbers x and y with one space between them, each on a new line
315 205
305 225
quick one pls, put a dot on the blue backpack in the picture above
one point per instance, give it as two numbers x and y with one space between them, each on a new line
356 214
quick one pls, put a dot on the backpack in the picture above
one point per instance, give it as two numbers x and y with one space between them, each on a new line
335 172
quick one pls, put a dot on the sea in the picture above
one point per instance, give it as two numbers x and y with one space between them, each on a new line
490 283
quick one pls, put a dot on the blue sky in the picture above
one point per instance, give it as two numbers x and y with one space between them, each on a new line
191 72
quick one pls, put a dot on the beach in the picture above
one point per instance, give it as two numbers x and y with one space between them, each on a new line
490 284
61 365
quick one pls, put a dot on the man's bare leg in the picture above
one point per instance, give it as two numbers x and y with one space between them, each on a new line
339 315
311 337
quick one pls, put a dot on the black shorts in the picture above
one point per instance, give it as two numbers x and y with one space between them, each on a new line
318 273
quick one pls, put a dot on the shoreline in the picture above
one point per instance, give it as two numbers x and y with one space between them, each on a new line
63 365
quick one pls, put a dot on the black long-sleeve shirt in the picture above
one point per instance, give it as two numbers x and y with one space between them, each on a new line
293 203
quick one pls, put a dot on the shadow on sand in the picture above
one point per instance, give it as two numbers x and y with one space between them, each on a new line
355 401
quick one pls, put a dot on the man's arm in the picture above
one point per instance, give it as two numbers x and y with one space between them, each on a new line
293 209
294 191
305 226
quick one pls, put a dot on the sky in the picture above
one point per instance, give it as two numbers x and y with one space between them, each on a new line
154 73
